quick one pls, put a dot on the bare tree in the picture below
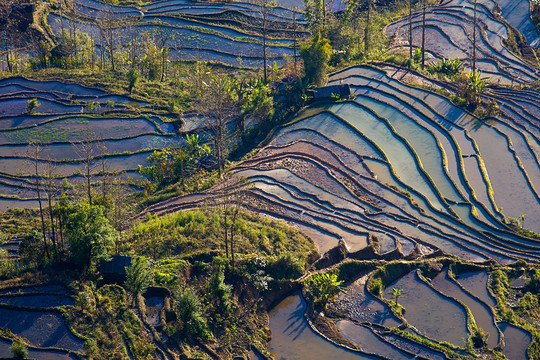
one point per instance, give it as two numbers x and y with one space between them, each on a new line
51 190
218 105
410 34
474 39
424 33
107 28
162 36
231 199
10 36
34 152
265 7
87 151
367 29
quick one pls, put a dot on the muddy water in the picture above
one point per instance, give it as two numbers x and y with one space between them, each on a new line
431 313
43 329
5 352
370 342
476 283
481 312
361 306
516 341
293 338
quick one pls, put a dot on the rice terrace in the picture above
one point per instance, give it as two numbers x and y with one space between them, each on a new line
285 179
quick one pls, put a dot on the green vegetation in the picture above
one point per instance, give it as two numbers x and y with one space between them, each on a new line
447 67
324 286
316 56
186 233
139 276
89 235
32 105
19 350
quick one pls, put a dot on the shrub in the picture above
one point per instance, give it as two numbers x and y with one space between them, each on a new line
286 266
324 286
448 67
133 79
478 338
31 105
19 349
188 308
316 56
376 287
139 276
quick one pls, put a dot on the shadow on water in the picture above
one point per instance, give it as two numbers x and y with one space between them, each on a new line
294 339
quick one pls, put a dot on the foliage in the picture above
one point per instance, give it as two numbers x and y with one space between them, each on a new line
89 235
316 55
473 88
286 266
534 282
133 79
104 315
397 293
221 292
316 14
167 270
31 248
19 349
139 276
325 286
447 67
8 266
478 338
376 287
172 164
257 100
189 310
31 105
188 232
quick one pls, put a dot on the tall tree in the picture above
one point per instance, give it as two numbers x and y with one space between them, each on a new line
89 234
474 39
367 28
316 56
52 191
218 104
35 151
107 25
87 150
410 34
265 7
424 33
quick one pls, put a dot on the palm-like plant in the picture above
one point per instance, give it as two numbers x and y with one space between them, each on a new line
475 85
397 293
325 286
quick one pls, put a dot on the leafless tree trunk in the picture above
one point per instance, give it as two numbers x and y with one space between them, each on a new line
410 33
106 28
424 34
218 108
87 151
366 30
35 152
265 8
51 190
474 39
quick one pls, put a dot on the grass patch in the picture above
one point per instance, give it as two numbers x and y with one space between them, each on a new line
185 233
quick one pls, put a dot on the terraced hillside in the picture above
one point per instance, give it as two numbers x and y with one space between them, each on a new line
229 33
72 123
403 171
449 34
